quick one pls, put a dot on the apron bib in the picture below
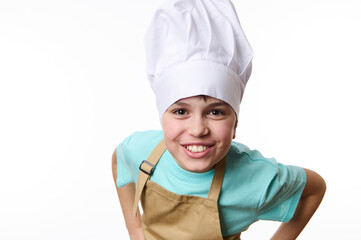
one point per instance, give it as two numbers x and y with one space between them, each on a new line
171 216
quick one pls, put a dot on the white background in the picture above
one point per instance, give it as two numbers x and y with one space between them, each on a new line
73 85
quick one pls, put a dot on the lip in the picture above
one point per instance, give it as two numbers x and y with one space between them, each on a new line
197 155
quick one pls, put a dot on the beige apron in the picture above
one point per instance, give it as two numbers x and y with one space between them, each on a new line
171 216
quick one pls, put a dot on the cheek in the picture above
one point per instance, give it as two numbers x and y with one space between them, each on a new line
170 128
227 132
166 131
165 123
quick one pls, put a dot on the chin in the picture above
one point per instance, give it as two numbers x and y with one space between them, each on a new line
198 168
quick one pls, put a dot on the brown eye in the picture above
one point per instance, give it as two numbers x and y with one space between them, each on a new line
180 112
216 112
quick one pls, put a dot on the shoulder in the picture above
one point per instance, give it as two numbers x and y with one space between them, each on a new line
140 142
246 164
144 137
241 154
259 177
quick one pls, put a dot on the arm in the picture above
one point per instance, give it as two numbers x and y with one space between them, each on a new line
310 200
126 199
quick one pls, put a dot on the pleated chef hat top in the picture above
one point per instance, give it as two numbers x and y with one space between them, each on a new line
197 47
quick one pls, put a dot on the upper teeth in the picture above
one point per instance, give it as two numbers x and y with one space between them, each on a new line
195 148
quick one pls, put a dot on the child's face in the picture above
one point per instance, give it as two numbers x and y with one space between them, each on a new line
198 131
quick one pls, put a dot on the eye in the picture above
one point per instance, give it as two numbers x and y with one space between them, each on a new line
180 111
216 112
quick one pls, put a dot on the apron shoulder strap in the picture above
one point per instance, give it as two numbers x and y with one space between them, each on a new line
217 180
146 169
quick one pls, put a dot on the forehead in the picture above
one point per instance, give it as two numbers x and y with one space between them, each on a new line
201 99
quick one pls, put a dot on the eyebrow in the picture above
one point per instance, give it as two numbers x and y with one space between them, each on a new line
217 104
180 104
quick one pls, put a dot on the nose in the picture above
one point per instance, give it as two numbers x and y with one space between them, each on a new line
198 126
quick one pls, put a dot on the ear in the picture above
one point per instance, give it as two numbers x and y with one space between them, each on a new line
235 129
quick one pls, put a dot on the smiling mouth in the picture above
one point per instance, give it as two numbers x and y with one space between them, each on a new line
196 149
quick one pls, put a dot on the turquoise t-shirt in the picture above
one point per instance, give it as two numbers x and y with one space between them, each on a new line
254 187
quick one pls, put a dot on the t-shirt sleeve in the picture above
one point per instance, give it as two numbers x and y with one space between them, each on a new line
123 169
126 165
281 196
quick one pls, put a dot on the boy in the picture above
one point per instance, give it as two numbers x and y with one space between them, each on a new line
196 183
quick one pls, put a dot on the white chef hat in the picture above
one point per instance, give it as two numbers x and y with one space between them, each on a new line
197 47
